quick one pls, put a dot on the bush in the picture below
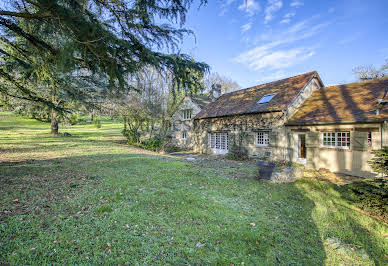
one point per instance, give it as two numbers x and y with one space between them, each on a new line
237 150
97 123
73 118
380 161
171 148
153 144
371 195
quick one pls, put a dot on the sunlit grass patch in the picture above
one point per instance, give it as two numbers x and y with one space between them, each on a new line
88 200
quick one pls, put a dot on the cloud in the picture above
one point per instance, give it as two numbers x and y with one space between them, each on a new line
246 27
280 51
267 59
349 39
225 6
296 3
277 75
272 7
287 17
250 7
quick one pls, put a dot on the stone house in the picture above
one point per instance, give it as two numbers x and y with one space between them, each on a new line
298 119
182 120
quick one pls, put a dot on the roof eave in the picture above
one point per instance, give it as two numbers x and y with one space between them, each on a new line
335 122
250 113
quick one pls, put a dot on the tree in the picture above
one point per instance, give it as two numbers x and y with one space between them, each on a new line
111 38
367 72
379 163
227 84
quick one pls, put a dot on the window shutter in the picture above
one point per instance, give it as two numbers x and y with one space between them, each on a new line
313 139
273 139
359 141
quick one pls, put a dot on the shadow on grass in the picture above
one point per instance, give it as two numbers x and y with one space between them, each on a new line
351 226
181 214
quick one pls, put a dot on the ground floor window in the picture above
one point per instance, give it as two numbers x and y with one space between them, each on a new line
184 135
218 140
336 140
262 138
370 139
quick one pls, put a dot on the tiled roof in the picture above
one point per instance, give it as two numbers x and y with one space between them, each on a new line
354 102
201 100
245 101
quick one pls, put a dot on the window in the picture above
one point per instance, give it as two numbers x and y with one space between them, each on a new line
336 140
187 114
184 135
219 140
266 98
370 139
262 138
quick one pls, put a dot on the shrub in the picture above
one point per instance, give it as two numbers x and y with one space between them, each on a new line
97 123
153 144
371 195
237 150
171 148
73 118
380 161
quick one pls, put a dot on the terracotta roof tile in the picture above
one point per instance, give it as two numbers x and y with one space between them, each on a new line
354 102
245 101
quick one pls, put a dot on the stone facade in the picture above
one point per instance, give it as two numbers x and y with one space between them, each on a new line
273 123
181 128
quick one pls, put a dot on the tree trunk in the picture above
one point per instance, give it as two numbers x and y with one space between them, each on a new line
54 123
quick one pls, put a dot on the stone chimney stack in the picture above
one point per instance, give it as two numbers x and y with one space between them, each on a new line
215 92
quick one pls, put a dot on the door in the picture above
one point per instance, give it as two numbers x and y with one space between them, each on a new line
302 146
219 142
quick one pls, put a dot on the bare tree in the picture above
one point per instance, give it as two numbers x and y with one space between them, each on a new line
227 84
367 72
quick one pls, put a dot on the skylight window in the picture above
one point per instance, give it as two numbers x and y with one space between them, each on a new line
266 98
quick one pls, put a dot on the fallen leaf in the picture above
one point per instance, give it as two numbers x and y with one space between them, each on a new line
252 224
107 250
199 244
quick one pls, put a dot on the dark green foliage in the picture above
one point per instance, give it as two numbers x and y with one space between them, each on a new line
370 195
380 161
154 143
49 46
97 123
237 151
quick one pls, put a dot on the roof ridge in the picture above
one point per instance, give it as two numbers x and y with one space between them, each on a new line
263 84
357 82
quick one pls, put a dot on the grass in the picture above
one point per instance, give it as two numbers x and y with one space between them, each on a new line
88 199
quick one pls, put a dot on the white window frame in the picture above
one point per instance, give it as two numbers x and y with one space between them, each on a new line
262 138
184 134
219 142
187 114
335 140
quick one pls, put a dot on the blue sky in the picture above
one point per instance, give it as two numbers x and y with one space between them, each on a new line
257 41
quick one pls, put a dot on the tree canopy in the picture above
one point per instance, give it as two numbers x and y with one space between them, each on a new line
59 44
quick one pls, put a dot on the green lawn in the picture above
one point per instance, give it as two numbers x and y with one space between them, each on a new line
88 199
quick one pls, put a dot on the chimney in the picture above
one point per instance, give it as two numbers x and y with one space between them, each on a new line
215 91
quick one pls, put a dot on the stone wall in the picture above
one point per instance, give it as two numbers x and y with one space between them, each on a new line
273 122
179 125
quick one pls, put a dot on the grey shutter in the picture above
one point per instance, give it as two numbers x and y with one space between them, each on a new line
273 138
313 139
359 141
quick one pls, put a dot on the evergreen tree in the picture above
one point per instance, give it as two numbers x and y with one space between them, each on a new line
45 42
